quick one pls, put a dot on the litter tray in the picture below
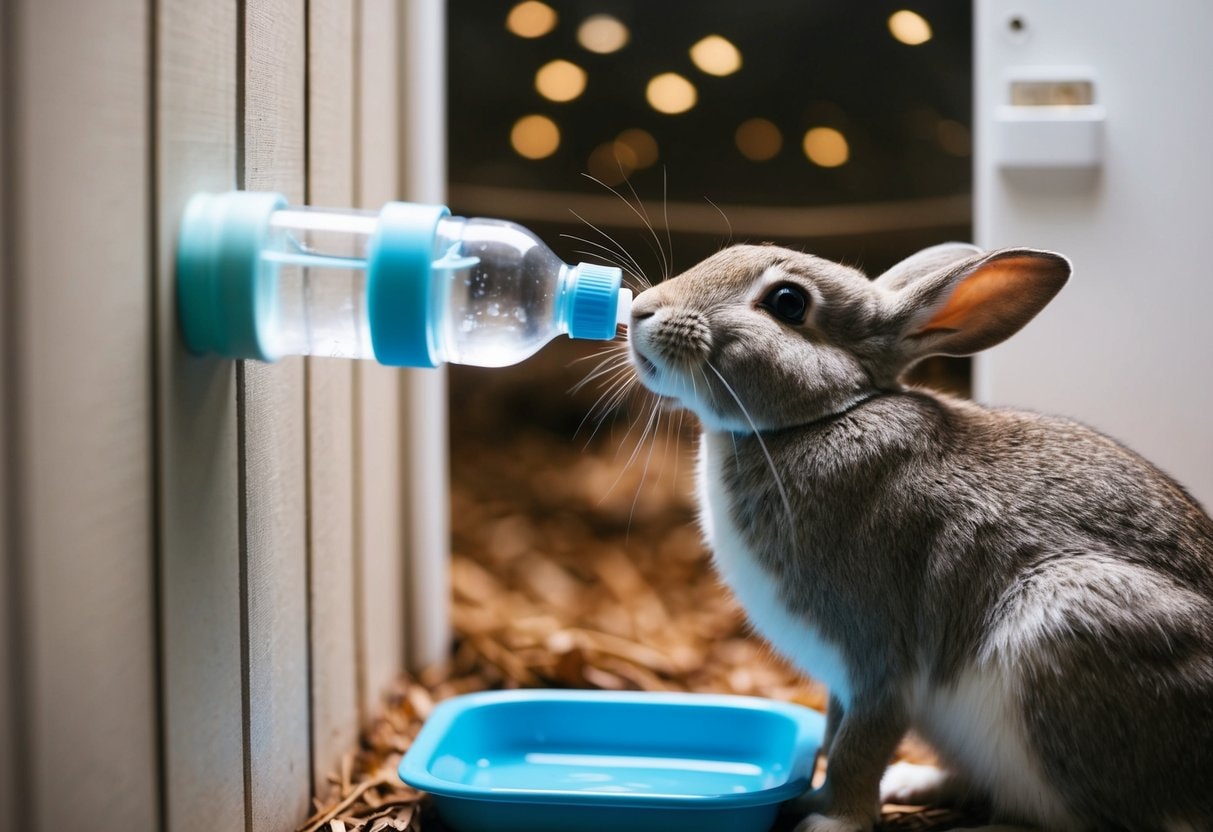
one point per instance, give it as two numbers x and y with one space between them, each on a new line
584 761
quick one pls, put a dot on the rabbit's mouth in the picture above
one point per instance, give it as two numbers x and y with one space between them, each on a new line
648 370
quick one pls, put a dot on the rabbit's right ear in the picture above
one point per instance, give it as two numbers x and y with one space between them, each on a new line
976 303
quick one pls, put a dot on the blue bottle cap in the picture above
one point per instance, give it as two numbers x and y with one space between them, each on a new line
594 304
399 284
227 296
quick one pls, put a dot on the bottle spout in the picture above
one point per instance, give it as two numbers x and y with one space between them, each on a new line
623 307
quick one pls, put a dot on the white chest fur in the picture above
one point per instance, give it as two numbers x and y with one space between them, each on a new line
793 636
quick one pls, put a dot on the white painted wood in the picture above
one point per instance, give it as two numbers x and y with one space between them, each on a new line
426 477
1126 345
333 604
198 496
81 392
8 746
379 520
273 435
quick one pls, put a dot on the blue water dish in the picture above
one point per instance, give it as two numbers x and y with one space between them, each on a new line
558 761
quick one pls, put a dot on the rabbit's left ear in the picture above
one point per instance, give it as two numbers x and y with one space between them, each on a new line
974 304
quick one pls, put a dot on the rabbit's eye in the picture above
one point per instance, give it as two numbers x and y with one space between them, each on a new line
787 302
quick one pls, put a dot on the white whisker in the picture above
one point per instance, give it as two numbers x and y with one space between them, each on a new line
665 268
617 244
623 261
757 435
609 364
616 389
659 252
723 216
665 210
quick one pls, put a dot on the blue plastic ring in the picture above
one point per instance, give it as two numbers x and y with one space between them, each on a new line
399 284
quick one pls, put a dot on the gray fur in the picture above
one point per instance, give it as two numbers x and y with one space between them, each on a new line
928 535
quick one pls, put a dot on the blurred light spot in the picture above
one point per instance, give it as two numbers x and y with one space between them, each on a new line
671 93
560 80
909 27
535 137
716 56
758 139
603 34
531 19
954 137
640 144
608 165
827 147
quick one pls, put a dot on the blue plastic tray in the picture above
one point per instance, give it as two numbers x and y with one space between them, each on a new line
583 761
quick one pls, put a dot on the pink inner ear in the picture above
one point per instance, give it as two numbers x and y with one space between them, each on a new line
978 294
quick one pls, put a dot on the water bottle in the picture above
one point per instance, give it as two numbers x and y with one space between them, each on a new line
409 285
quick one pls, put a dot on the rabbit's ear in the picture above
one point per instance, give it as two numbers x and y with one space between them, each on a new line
928 261
977 303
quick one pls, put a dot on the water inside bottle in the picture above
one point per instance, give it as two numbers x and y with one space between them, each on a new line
503 291
321 261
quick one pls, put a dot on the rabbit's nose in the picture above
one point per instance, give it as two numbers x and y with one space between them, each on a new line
644 306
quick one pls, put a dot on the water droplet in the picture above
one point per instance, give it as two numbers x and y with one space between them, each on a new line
494 309
468 325
520 314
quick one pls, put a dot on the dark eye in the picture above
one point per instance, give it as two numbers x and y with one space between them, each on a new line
787 302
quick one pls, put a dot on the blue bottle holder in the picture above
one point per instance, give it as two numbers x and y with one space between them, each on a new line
408 286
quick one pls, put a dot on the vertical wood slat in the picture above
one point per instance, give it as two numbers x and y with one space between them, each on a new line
379 528
333 608
422 147
8 748
198 499
82 431
273 435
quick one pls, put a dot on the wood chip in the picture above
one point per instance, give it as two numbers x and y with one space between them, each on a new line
557 585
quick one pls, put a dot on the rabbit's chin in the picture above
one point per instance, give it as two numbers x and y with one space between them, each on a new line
676 391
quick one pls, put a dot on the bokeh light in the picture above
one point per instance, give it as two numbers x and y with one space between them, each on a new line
535 137
531 19
758 139
560 80
639 145
954 137
826 147
603 34
716 56
670 93
909 27
608 165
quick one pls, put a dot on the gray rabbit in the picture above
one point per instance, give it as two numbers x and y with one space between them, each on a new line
1031 597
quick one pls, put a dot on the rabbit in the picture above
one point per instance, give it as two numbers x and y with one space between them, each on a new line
1028 595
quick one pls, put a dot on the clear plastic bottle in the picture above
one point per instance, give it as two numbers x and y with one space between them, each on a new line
407 286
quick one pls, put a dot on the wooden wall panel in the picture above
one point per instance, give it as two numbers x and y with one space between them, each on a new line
421 58
8 736
379 523
272 435
199 496
82 430
333 608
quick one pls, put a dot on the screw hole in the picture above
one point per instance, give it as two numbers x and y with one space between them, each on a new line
1017 24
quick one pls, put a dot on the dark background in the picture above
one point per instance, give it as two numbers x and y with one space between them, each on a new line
905 111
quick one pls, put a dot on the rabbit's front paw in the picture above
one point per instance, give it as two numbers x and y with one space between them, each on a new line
918 785
825 823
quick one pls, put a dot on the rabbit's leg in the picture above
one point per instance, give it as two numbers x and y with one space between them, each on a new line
848 801
918 785
833 717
